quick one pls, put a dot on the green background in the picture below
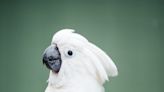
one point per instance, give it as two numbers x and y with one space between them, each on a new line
131 31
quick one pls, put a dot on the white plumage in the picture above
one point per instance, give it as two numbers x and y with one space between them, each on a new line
85 71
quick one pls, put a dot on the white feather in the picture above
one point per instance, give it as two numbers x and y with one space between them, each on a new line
105 60
85 71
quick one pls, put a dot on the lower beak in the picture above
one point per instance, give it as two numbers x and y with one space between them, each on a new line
52 58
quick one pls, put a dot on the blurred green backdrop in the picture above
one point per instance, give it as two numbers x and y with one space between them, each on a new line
131 31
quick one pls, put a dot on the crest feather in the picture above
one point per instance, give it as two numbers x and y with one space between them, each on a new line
105 60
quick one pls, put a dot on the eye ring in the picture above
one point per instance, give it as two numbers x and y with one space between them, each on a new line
69 52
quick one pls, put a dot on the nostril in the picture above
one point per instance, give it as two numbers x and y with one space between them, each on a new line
56 48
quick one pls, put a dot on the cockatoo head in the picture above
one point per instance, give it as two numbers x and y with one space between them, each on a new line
72 55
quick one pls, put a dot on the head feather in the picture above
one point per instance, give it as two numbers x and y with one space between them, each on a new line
102 64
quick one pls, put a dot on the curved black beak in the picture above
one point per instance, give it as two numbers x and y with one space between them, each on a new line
52 58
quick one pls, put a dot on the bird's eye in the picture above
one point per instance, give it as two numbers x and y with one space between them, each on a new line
70 53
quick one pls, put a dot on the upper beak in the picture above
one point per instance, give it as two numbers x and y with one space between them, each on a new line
52 58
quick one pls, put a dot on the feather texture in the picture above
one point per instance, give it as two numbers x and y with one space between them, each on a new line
85 71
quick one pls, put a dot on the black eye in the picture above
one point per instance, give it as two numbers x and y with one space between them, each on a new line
70 53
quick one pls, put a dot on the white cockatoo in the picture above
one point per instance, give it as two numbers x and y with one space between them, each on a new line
76 65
